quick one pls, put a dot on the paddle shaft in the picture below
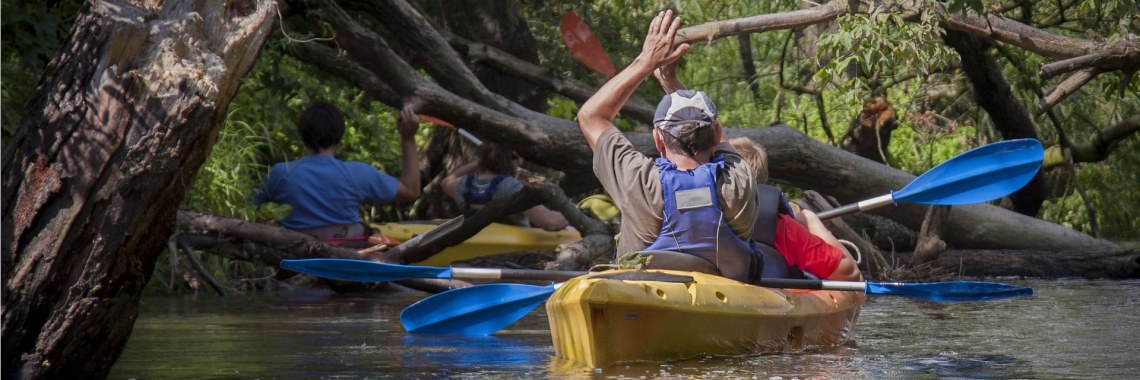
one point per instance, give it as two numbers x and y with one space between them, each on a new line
789 283
361 270
470 137
513 274
367 271
546 275
869 204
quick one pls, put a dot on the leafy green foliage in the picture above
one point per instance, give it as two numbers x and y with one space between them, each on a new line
1110 187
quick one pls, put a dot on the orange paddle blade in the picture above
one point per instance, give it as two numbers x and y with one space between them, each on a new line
584 46
435 120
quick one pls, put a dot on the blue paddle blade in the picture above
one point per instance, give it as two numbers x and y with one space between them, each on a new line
474 310
362 270
979 175
951 291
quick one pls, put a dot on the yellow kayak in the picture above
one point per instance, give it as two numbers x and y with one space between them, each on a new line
628 316
494 239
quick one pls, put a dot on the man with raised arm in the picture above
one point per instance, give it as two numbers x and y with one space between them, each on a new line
699 197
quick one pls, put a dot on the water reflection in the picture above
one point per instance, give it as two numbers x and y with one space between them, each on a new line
486 352
956 365
1068 329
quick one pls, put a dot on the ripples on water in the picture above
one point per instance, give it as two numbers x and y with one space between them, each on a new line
1068 329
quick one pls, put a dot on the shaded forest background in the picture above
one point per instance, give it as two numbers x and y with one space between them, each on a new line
827 81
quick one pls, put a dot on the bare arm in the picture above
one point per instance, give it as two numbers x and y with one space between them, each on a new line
847 270
597 115
545 218
408 189
667 76
453 177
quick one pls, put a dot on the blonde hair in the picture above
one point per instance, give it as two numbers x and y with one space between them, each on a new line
755 155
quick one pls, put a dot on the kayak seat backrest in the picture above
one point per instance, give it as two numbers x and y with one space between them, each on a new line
643 276
678 261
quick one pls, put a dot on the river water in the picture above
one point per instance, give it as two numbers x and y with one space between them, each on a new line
1069 329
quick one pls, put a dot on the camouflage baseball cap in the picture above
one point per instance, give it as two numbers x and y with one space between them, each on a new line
684 107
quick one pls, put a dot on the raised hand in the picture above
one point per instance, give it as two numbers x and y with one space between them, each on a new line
407 122
659 49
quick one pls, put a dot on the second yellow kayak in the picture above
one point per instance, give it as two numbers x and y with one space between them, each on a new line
494 239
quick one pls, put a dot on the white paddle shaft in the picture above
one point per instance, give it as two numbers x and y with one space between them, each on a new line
876 202
477 273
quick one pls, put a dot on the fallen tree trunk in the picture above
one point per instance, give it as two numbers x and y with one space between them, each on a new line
268 245
1037 263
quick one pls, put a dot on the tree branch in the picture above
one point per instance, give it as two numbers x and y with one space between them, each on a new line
417 34
756 24
506 63
535 191
996 97
1067 87
1105 141
1125 59
268 245
332 61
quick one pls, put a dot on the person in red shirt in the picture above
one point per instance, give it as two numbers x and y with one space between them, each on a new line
803 241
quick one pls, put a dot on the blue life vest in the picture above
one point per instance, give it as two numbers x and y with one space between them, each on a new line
693 222
477 199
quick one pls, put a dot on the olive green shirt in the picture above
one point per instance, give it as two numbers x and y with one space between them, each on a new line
633 181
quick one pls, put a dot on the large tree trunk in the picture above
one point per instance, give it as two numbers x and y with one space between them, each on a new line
268 245
96 171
